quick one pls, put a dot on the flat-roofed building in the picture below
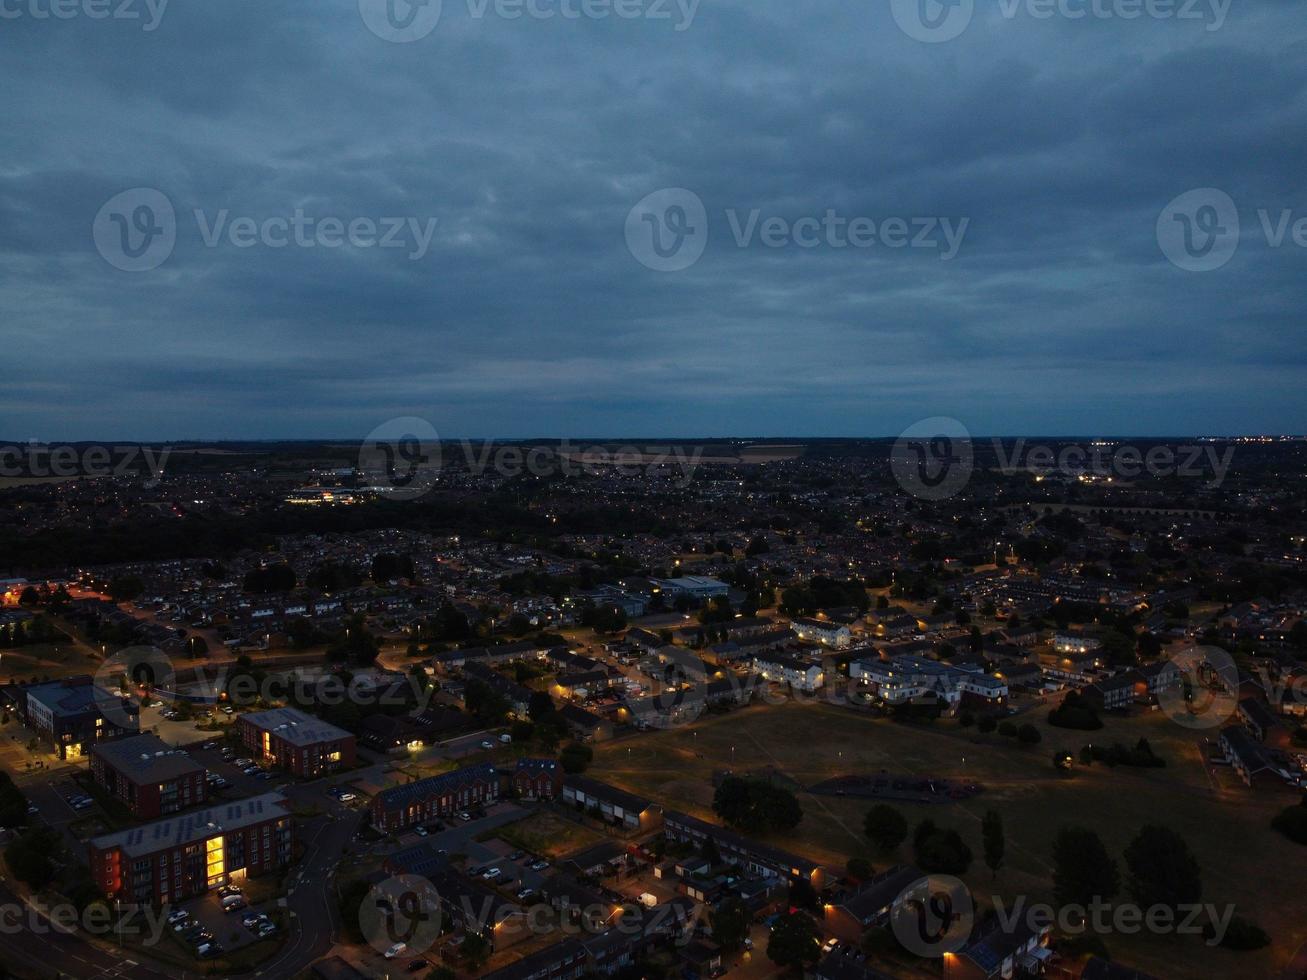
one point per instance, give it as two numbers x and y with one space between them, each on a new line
73 714
147 776
188 854
296 742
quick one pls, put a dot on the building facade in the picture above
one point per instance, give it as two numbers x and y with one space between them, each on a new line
436 796
147 776
187 855
73 714
296 742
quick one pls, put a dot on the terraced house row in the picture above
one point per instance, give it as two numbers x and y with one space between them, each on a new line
436 796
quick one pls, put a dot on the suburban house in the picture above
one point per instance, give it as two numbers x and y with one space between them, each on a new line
781 669
1075 643
849 916
906 678
755 857
1264 723
537 779
466 903
1251 760
517 696
822 631
585 726
995 951
1113 693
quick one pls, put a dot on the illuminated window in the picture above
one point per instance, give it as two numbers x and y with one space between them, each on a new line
214 861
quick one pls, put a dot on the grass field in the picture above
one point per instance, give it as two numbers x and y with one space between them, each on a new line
547 834
1243 861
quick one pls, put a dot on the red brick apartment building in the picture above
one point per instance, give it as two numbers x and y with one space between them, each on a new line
186 855
436 796
296 742
150 778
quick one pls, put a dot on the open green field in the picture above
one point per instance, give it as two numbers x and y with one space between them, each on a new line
1228 827
548 834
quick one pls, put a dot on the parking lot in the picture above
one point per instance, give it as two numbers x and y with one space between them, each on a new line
222 921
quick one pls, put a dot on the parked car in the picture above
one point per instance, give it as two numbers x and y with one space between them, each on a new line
209 745
492 873
252 919
487 744
420 831
395 950
347 797
465 816
516 855
242 763
267 929
539 865
525 893
178 916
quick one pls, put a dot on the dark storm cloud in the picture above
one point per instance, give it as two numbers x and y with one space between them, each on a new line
1060 142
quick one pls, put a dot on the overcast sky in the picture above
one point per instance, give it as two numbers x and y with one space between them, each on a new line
1050 147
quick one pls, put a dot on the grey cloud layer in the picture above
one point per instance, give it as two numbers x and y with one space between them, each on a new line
530 140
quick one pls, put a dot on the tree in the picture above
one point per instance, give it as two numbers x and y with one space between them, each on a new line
30 856
940 851
859 868
1075 712
731 922
1082 869
475 950
1028 734
995 845
1161 869
541 707
795 941
886 827
756 806
575 757
1291 822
